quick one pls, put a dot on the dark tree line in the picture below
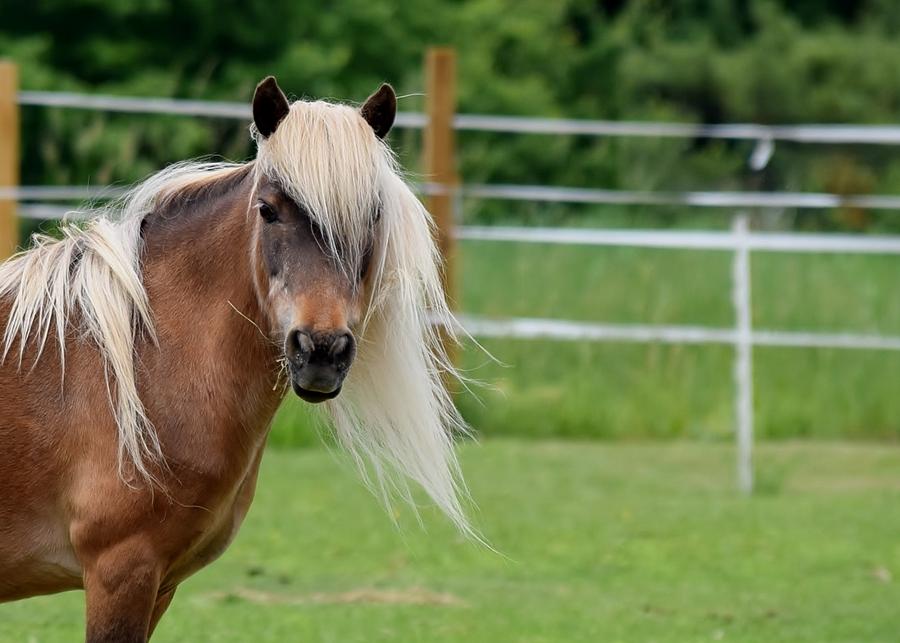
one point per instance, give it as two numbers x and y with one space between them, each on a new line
767 61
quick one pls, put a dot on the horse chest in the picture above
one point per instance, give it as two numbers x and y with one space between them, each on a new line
221 530
220 536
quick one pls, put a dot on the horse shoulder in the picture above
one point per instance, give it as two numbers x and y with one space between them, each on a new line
45 417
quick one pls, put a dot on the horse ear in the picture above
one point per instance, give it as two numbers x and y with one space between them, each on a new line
380 109
270 106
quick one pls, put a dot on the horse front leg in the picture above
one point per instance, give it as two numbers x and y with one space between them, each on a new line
121 585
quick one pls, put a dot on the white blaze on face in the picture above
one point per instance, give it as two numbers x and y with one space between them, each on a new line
280 301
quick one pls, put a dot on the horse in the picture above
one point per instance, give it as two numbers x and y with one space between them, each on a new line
146 351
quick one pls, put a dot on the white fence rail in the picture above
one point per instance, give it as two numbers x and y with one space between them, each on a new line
740 241
540 193
824 133
563 330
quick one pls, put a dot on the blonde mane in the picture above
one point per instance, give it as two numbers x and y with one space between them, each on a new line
394 417
94 272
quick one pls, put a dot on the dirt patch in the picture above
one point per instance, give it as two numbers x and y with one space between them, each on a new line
365 595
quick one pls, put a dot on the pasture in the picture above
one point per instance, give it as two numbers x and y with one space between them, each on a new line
602 542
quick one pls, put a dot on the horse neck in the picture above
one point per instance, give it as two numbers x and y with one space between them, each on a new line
214 353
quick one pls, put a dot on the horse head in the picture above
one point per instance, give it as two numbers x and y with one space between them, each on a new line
317 206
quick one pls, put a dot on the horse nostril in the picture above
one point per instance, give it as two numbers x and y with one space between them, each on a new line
299 346
342 350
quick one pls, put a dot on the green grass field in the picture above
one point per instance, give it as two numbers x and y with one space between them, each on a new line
602 542
608 390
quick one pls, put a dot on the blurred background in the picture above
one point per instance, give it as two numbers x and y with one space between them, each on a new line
608 470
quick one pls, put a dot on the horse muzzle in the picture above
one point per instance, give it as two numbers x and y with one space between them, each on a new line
318 362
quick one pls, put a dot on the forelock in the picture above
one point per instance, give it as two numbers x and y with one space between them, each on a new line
327 158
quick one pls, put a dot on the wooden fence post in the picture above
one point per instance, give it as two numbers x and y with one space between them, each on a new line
440 158
9 155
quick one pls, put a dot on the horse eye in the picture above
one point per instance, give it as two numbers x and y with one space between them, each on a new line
267 212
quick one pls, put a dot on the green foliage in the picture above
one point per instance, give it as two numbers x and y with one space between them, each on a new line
695 60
